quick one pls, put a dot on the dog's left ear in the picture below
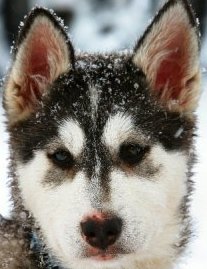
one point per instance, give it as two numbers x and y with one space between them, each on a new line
43 52
168 55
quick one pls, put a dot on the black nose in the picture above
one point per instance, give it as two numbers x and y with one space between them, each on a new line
101 233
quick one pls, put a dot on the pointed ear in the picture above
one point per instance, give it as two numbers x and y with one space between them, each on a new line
43 52
168 55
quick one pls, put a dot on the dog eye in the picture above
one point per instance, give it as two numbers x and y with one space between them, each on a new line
132 154
62 158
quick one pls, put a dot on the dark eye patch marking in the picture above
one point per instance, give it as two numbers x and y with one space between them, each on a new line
63 165
145 170
129 147
139 161
57 176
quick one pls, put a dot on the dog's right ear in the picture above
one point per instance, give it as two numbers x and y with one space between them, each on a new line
42 53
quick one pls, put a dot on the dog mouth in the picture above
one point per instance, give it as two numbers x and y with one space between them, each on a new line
101 255
104 255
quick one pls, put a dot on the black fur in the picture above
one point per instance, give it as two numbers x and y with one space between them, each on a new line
69 97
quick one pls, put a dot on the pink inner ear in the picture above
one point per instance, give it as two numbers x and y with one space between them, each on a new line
36 64
38 60
172 69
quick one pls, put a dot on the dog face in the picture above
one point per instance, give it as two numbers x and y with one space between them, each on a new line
102 143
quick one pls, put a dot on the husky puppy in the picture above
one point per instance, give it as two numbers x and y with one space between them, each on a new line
101 147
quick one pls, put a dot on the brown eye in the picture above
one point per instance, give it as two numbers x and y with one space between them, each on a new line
132 154
62 158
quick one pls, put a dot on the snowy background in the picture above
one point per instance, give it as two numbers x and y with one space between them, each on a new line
106 26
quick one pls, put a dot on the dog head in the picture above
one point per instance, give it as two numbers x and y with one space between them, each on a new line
102 143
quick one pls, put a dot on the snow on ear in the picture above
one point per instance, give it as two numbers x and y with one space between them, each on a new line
168 55
43 53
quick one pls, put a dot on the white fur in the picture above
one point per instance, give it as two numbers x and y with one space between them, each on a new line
72 135
94 98
57 210
149 208
117 129
151 205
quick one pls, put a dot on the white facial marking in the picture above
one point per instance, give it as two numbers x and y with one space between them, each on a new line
150 208
59 210
118 128
72 136
94 98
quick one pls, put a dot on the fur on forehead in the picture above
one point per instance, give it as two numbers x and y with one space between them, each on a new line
168 54
42 53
